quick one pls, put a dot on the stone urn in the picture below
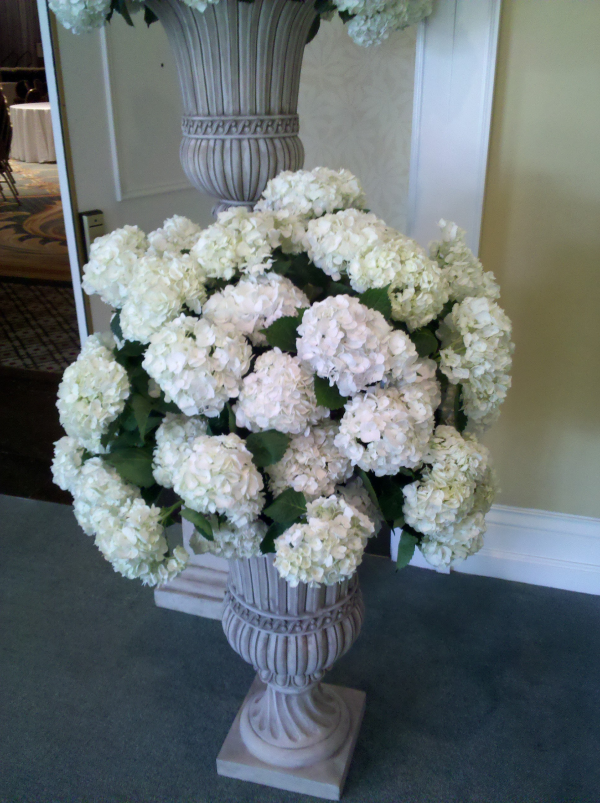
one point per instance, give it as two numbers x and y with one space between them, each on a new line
292 731
239 69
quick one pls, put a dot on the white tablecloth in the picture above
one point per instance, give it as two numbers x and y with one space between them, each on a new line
32 139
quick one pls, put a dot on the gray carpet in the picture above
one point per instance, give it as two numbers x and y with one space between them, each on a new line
477 690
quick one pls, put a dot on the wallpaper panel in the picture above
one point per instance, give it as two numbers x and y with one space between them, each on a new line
356 112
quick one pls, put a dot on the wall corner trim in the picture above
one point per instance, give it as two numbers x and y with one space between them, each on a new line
539 547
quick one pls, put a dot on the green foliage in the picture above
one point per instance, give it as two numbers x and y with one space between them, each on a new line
287 508
267 447
220 424
339 289
299 269
460 419
366 480
142 407
283 332
406 549
378 298
328 395
314 29
115 325
268 543
133 464
149 18
200 522
425 342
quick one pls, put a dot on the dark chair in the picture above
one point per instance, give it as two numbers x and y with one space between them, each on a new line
34 96
5 140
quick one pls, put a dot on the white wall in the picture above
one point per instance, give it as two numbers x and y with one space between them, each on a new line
356 108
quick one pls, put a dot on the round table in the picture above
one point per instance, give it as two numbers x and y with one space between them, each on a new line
32 139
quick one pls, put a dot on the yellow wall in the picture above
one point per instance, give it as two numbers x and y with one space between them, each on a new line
541 237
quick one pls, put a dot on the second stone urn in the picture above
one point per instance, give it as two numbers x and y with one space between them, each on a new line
293 731
239 70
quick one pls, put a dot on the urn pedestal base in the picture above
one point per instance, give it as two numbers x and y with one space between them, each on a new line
200 588
324 779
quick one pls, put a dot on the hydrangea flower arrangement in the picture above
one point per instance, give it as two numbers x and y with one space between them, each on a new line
288 379
369 21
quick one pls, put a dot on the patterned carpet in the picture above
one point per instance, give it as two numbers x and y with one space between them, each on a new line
32 235
38 325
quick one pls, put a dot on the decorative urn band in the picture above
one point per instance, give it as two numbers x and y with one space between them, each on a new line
291 636
239 70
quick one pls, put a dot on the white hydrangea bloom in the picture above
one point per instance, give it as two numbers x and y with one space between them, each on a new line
254 304
80 16
334 242
113 260
232 543
177 234
312 463
240 240
464 537
199 5
216 475
476 351
198 366
328 548
133 541
67 462
464 272
157 292
279 394
386 429
419 289
449 502
357 496
98 490
92 393
352 345
174 436
312 193
374 24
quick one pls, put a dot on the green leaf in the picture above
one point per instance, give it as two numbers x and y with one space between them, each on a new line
425 342
287 507
406 549
162 406
368 486
391 502
268 543
134 465
132 349
219 424
267 447
460 419
124 12
399 523
314 29
139 379
231 418
377 298
328 395
142 407
339 289
200 522
283 332
149 16
115 325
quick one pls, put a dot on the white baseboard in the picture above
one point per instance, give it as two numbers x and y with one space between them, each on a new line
535 546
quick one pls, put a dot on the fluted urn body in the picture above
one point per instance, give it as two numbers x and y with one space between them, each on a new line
291 636
239 69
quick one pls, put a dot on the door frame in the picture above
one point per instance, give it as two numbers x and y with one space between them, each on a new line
63 162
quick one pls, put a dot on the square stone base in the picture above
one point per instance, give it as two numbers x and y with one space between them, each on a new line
325 779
